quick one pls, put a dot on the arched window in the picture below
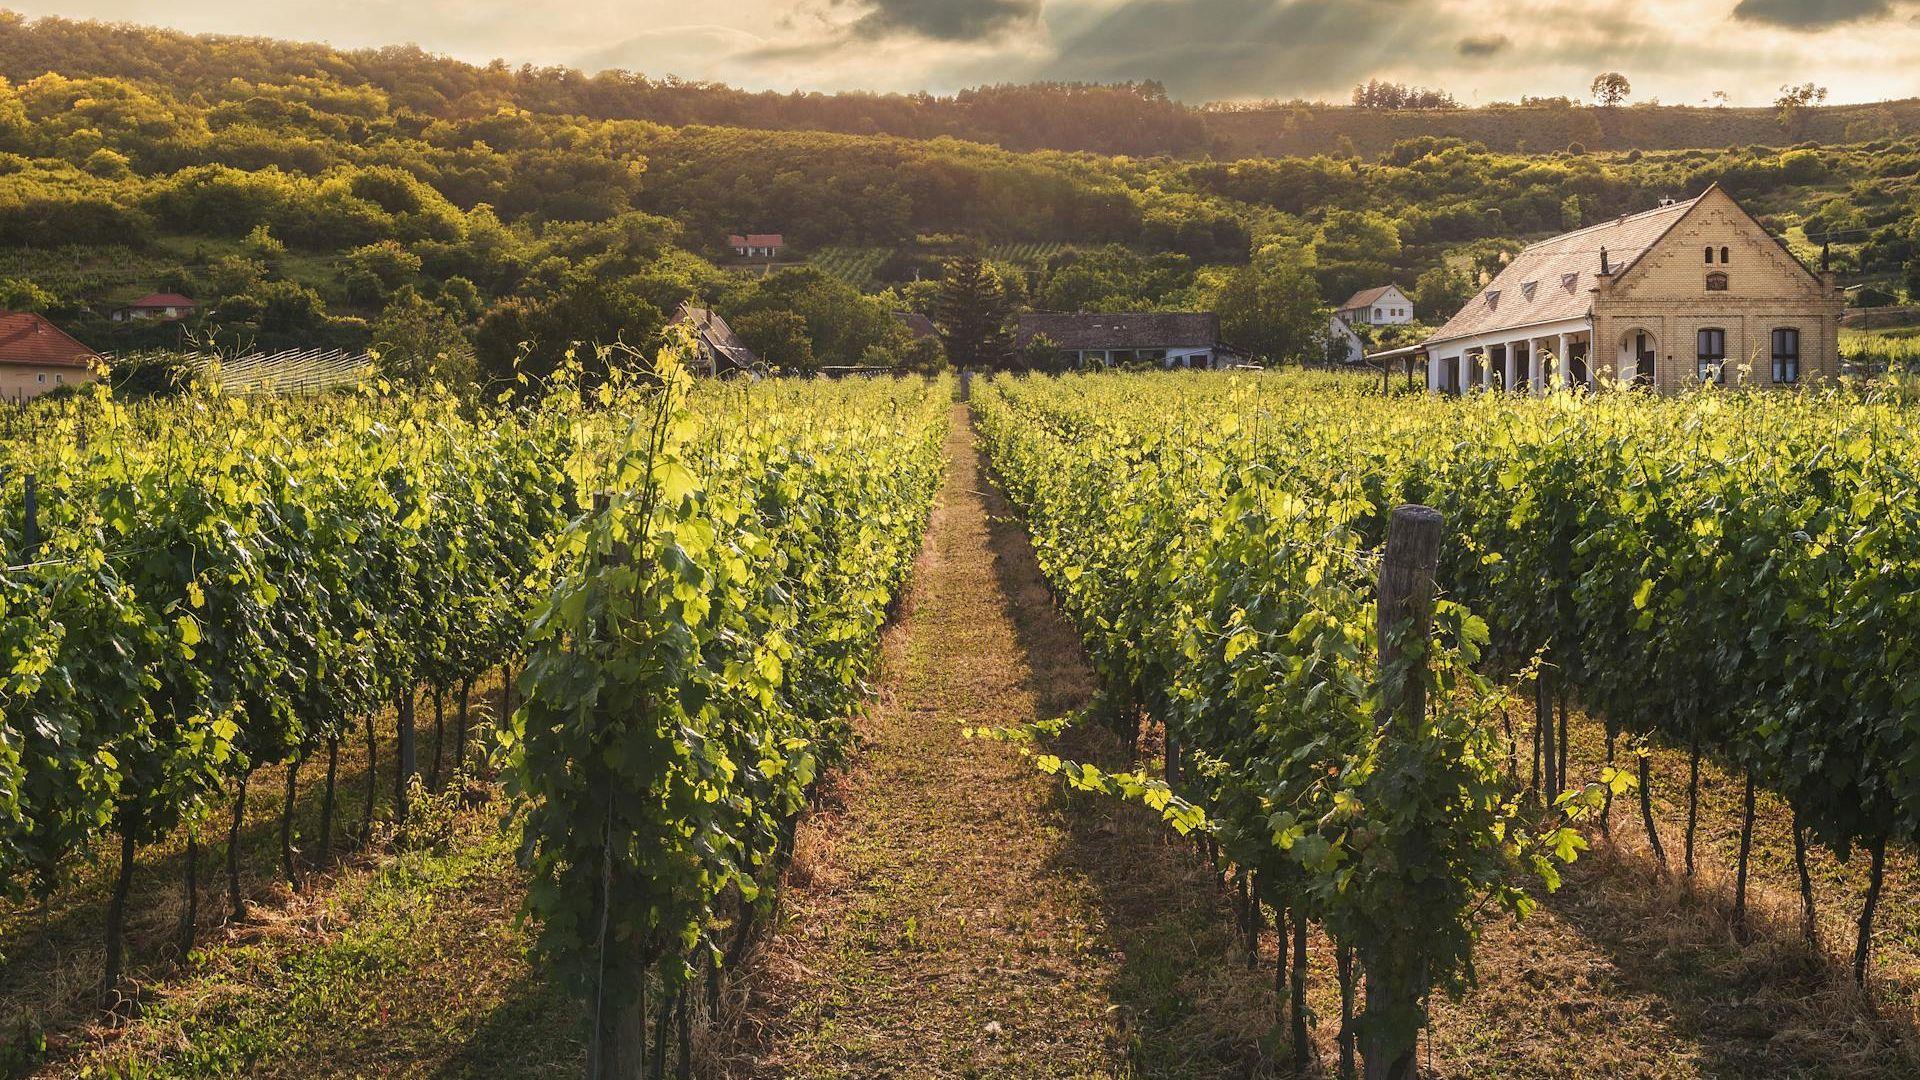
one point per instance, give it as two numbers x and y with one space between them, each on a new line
1710 358
1786 355
1723 256
1716 282
1709 254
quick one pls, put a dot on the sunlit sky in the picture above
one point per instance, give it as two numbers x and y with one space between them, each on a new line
1679 51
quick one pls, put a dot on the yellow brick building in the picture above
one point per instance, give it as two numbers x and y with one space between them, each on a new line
1687 292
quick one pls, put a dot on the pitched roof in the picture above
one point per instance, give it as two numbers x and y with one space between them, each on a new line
1554 279
713 331
917 324
1364 298
1127 330
772 239
164 300
27 338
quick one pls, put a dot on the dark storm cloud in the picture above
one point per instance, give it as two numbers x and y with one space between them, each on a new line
944 20
1483 44
1811 14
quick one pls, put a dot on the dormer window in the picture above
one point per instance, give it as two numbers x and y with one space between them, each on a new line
1493 298
1526 289
1568 281
1716 282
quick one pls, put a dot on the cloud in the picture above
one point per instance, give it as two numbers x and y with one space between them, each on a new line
1483 44
944 20
1240 48
1811 14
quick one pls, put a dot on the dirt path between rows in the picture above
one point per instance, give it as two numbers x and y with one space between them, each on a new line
948 913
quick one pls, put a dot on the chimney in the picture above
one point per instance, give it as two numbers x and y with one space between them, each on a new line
1605 267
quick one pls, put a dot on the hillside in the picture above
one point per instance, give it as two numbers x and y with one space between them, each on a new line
1283 130
1136 119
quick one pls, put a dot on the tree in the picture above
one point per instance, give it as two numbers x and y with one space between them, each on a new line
779 337
1042 353
418 342
1790 108
1610 88
1442 290
1271 308
972 315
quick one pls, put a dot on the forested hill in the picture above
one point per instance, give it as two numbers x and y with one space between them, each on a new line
1136 119
1304 130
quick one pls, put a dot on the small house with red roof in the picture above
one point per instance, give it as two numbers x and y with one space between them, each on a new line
37 356
160 305
758 245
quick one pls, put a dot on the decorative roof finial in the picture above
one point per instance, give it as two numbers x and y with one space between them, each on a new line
1605 268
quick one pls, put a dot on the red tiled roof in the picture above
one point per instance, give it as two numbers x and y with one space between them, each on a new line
27 338
164 300
758 240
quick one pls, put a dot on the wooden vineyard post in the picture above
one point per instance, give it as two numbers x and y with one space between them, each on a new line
1395 977
966 384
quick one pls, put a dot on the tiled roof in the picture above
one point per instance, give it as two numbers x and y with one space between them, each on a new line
716 334
1364 298
1554 279
1130 330
27 338
164 300
917 324
757 240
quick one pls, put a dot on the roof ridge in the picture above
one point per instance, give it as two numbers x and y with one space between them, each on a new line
1611 223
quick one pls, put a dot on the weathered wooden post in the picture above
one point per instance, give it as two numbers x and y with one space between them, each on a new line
1394 979
966 384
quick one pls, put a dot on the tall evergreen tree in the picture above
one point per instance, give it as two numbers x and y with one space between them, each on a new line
972 315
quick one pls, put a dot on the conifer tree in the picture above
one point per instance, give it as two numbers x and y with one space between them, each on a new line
972 315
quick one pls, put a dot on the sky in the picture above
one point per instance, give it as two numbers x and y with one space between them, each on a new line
1678 51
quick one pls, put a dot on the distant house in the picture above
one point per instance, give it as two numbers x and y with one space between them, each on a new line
163 305
917 324
1353 350
1687 292
721 350
1186 339
758 245
1384 305
37 356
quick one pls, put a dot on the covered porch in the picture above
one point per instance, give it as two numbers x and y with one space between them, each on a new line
1528 359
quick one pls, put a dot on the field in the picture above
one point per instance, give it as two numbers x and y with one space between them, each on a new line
1106 780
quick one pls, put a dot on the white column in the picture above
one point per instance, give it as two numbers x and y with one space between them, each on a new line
1464 366
1536 373
1560 363
1433 373
1513 367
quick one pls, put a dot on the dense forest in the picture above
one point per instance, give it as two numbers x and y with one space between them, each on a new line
311 196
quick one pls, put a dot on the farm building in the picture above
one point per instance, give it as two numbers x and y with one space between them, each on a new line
721 350
37 356
1383 305
1343 342
757 245
162 305
917 324
1189 339
1687 292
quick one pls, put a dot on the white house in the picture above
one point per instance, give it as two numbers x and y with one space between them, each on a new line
757 245
1171 339
1354 349
1383 305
